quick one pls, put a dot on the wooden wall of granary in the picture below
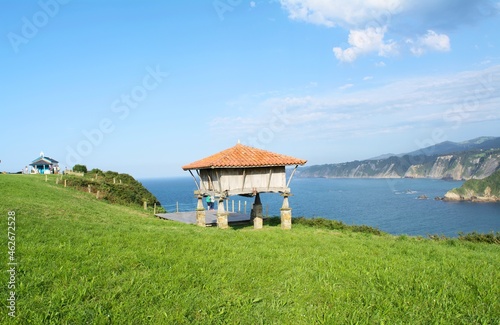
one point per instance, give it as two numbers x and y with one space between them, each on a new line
243 180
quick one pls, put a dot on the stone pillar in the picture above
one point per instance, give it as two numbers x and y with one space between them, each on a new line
257 223
200 213
286 213
257 213
221 215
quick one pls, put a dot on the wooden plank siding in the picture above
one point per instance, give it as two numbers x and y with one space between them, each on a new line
241 181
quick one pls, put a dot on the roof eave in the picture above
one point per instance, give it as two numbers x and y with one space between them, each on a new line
249 166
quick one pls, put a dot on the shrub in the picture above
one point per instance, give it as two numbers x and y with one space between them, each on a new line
128 192
81 183
80 168
335 225
490 238
96 172
437 237
160 209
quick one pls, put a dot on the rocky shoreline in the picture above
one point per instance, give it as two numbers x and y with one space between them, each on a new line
471 197
477 190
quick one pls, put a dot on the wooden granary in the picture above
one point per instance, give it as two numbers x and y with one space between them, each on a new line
243 170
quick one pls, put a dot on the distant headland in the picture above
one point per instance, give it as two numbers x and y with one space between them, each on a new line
475 190
474 159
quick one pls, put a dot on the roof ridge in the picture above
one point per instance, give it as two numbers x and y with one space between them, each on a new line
241 156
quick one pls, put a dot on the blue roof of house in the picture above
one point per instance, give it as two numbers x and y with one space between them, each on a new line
43 160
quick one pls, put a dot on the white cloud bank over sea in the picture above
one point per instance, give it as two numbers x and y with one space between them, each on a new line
388 27
440 101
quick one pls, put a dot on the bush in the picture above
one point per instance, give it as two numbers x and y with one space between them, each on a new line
160 209
490 238
80 183
127 192
335 224
80 168
96 172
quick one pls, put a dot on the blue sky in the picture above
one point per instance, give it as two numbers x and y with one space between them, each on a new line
144 87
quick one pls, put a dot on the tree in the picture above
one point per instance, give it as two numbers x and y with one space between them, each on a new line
80 168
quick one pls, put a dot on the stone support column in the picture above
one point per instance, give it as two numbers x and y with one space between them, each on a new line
221 215
200 213
286 213
257 212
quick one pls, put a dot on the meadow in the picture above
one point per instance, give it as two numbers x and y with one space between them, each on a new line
81 260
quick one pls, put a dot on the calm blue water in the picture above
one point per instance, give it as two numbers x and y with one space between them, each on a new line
390 205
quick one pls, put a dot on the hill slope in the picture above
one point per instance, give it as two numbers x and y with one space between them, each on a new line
458 166
449 147
85 261
112 187
484 190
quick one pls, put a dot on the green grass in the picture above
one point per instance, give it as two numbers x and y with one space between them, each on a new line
85 261
113 187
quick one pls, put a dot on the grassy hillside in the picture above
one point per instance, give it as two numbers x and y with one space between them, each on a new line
487 189
86 261
479 186
113 187
461 165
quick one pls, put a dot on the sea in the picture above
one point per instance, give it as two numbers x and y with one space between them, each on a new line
391 205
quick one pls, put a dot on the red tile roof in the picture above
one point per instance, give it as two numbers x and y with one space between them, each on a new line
241 156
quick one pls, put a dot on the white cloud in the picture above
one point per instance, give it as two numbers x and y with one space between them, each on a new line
367 78
361 14
448 101
431 41
365 41
438 42
370 21
346 86
347 14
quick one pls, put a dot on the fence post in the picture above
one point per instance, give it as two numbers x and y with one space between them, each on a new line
64 183
245 207
145 205
177 206
154 208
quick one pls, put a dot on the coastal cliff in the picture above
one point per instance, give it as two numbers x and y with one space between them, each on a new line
462 166
484 190
465 165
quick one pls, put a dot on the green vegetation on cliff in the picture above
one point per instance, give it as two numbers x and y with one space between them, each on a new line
112 186
82 260
487 189
462 165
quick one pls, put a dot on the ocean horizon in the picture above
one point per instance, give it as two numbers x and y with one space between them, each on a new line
391 205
